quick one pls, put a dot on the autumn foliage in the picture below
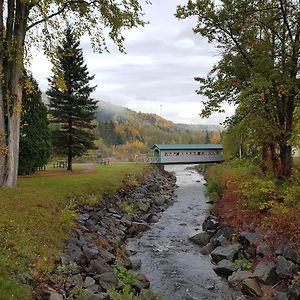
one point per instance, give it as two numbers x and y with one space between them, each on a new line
249 199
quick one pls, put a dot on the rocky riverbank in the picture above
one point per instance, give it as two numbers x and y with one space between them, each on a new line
95 264
259 269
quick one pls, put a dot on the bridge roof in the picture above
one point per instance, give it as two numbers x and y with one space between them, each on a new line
187 146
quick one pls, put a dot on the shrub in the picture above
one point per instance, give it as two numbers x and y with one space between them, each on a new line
260 194
124 275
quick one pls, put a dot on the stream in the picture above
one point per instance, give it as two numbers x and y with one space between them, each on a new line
173 264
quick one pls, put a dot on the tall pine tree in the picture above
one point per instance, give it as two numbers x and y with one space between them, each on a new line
69 100
35 146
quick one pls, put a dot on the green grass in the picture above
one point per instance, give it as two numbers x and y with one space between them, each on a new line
37 216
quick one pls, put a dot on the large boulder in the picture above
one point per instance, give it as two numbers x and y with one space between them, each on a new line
98 266
225 268
137 227
252 288
210 223
289 252
201 238
249 238
238 276
229 252
107 280
208 248
285 268
266 273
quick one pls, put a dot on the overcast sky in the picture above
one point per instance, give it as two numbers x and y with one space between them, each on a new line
157 73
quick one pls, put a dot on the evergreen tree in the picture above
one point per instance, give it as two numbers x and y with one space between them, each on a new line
35 146
70 103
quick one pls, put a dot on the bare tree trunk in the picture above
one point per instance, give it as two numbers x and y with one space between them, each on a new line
3 148
14 91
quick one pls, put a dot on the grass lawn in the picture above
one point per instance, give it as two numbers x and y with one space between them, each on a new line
37 216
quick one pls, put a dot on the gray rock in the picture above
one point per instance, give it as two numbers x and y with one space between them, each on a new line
144 207
89 252
248 238
107 280
251 287
106 255
98 266
207 249
82 217
210 223
154 218
88 281
279 247
263 249
136 263
280 296
239 276
284 268
55 296
229 252
294 290
93 289
292 254
144 280
125 262
266 273
225 268
100 296
159 201
201 238
137 227
73 253
76 281
225 231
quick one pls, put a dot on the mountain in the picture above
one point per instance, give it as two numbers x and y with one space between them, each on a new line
109 112
120 125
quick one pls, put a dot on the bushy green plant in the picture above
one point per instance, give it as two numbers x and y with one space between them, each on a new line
124 275
291 195
129 208
243 264
69 213
215 187
260 193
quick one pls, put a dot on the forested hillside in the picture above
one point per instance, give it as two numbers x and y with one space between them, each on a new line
126 134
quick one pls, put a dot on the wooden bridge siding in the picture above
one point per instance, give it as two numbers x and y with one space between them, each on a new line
186 156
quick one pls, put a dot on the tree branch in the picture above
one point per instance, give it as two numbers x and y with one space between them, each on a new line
285 20
58 12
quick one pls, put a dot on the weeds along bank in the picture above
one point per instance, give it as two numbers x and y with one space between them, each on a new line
38 216
268 212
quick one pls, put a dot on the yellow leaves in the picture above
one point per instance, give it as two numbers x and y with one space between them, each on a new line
215 138
17 108
28 86
60 83
3 150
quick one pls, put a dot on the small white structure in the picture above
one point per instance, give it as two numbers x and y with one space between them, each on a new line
186 153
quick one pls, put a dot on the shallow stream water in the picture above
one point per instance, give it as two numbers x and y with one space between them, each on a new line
172 263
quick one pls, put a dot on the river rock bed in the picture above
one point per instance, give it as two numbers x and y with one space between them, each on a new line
86 269
260 270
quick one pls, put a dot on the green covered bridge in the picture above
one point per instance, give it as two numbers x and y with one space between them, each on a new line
186 153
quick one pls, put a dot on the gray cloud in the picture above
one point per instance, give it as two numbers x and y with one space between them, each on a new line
159 68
